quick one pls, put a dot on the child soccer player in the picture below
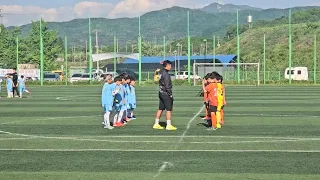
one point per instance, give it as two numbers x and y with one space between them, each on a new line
205 98
220 95
22 86
120 103
211 89
107 100
132 99
9 86
222 100
127 97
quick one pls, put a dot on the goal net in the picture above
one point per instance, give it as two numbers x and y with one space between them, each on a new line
249 72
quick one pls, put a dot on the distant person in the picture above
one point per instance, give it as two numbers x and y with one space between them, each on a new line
9 86
15 83
22 86
165 97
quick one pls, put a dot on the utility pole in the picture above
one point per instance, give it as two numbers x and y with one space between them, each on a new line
97 48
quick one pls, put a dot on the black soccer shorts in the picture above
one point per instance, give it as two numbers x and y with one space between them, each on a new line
165 102
212 109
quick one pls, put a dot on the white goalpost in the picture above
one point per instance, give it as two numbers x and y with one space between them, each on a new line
249 72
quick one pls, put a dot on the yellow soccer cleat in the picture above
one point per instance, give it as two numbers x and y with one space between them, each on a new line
157 126
219 126
171 128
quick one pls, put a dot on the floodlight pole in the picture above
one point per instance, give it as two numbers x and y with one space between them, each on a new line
41 54
264 59
114 54
17 53
290 47
66 57
238 49
315 60
214 53
90 51
140 51
189 59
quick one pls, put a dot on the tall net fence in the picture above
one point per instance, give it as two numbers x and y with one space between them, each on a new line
65 43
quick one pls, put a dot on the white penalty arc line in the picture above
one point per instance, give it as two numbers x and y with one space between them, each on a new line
165 164
162 150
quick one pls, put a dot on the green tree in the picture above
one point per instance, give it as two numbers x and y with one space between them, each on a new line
52 46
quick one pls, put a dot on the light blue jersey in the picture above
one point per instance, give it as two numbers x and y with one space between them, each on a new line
21 84
9 85
107 97
127 95
133 98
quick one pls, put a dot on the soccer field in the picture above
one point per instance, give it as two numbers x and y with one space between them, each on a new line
269 133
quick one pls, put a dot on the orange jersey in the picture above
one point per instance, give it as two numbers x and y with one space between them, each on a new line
205 95
212 90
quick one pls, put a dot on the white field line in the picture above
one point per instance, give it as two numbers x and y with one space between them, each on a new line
273 115
163 150
169 142
165 164
47 119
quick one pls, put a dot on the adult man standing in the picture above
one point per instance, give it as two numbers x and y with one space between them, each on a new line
15 82
165 97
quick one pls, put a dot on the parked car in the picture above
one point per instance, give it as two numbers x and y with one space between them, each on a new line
75 77
85 77
184 75
51 77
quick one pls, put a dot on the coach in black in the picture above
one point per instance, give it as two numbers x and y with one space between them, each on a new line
165 97
15 82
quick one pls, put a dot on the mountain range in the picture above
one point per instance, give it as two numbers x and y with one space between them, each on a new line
171 22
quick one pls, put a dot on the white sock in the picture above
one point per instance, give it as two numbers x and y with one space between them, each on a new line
115 118
20 94
120 116
168 122
106 118
157 121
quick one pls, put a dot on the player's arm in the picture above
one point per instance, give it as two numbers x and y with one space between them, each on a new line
204 82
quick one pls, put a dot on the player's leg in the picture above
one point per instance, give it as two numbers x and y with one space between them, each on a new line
20 91
212 111
168 102
106 117
159 113
222 115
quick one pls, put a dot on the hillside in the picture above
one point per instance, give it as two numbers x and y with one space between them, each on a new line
277 45
218 8
170 22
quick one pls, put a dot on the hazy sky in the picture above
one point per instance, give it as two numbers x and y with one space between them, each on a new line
18 12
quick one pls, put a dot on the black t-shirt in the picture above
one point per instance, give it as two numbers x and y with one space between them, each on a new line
165 84
15 78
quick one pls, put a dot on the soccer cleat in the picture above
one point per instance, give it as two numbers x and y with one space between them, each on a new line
171 128
127 119
206 118
211 129
218 126
118 125
108 127
103 123
157 126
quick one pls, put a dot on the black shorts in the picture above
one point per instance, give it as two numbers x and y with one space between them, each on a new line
165 102
212 109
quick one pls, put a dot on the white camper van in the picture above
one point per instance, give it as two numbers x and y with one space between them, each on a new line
297 73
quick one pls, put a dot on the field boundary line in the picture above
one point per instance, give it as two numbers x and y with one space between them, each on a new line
161 150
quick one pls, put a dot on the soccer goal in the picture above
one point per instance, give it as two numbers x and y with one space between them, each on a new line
249 72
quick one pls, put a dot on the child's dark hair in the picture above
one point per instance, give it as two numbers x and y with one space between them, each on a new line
117 79
127 77
22 76
132 78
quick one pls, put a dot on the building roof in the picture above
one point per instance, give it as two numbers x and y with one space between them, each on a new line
157 59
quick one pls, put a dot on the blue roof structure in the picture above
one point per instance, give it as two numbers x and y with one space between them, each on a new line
225 59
